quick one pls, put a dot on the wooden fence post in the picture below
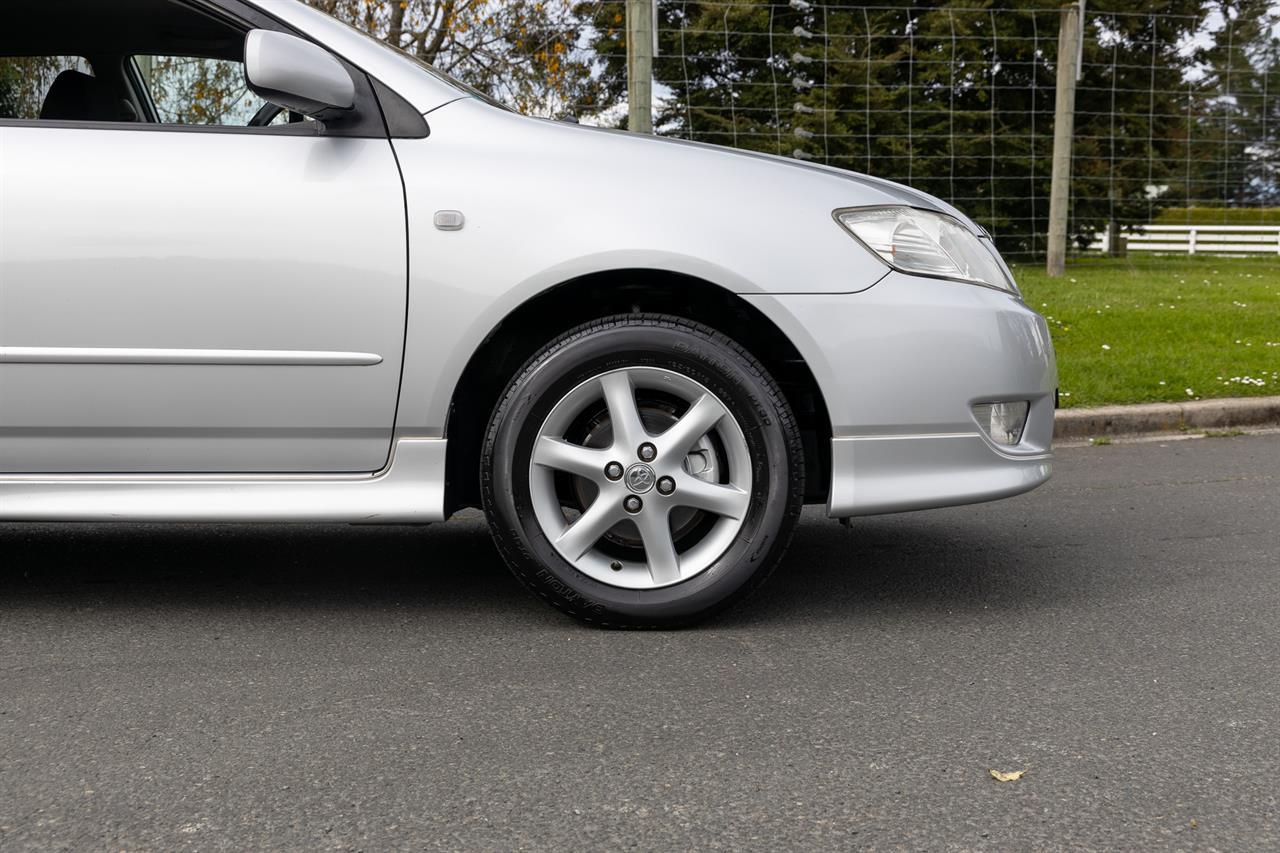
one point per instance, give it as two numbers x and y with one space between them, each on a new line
1070 34
640 41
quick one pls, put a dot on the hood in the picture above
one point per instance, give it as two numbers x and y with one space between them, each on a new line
878 190
895 192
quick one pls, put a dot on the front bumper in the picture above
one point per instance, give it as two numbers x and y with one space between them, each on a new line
900 366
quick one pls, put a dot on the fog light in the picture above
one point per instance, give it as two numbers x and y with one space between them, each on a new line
1003 422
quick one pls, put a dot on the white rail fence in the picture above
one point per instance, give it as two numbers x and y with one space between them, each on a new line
1198 239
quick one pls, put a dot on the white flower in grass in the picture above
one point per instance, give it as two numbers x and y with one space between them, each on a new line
1162 382
1190 393
1106 346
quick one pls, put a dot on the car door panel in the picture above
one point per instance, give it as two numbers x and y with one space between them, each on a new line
174 300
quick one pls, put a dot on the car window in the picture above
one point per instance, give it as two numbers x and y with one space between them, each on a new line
167 62
192 90
25 82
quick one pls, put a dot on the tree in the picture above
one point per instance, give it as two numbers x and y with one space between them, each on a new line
1235 136
718 61
1137 106
523 52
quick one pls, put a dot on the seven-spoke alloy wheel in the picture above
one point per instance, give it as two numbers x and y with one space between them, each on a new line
642 471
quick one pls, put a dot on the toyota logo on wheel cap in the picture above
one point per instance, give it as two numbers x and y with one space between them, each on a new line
640 478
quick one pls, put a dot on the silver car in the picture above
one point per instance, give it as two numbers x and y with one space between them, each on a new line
353 290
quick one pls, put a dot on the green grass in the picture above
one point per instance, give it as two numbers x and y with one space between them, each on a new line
1152 329
1218 216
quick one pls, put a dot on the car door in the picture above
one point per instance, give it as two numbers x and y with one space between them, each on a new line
181 293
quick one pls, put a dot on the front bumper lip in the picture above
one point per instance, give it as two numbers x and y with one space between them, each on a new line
896 473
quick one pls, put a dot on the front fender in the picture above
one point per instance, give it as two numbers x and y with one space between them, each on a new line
547 202
442 340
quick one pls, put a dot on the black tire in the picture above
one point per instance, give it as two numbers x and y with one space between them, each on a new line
699 353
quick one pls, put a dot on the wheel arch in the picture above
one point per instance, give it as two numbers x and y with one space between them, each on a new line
555 310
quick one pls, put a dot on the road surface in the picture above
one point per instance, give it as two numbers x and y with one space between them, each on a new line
1116 634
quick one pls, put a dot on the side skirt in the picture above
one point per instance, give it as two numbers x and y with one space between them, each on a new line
410 490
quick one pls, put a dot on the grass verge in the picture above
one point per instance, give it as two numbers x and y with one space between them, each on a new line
1161 329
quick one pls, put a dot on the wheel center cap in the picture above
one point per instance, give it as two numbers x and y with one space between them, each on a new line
639 478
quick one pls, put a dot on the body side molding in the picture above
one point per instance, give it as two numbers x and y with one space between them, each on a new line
132 355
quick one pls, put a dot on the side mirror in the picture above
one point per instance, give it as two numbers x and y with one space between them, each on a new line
297 75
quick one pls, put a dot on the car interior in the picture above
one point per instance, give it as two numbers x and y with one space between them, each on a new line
124 61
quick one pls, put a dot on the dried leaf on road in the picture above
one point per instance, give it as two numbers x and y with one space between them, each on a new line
1002 776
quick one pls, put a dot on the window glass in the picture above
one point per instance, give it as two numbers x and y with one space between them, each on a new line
25 82
196 90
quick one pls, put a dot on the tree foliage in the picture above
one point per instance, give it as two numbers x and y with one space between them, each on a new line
1238 121
523 52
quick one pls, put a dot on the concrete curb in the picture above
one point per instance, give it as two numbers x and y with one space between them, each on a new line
1227 413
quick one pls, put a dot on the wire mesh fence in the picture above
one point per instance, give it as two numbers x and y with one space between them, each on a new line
1175 118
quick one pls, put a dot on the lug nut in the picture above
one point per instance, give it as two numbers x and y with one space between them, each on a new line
613 470
632 504
647 452
666 486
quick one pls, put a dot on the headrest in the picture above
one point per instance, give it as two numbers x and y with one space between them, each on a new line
76 96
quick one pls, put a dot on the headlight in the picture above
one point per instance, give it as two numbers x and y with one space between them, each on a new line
925 243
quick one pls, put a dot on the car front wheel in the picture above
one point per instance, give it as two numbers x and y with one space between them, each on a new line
642 471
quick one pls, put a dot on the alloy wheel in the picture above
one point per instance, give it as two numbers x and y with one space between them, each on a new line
640 478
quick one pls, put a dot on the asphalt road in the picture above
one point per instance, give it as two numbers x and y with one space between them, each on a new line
1116 633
